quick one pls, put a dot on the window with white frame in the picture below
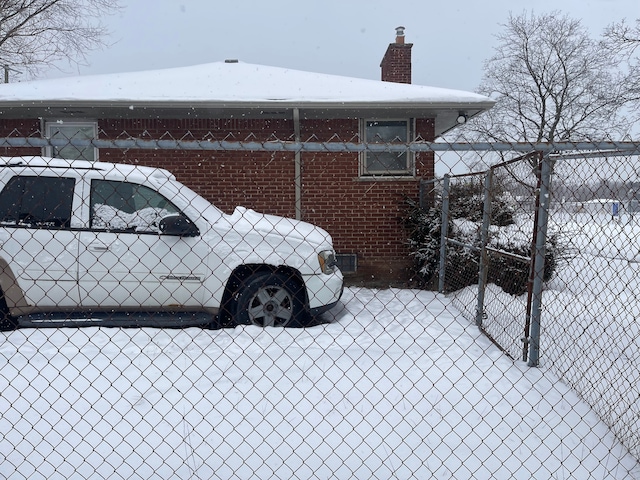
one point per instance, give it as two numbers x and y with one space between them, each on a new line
67 132
388 132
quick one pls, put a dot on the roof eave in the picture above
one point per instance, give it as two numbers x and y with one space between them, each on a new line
253 104
444 113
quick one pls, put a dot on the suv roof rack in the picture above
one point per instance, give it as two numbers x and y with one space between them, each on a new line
66 164
47 162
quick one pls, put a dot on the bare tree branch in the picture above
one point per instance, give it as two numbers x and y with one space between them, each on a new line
624 40
551 82
35 34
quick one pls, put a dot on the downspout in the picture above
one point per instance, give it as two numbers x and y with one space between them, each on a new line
44 151
298 165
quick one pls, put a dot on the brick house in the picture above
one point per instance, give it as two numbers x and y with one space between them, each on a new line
356 196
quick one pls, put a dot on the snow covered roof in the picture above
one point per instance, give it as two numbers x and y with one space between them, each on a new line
230 84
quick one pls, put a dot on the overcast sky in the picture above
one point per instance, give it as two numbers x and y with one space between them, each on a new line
451 39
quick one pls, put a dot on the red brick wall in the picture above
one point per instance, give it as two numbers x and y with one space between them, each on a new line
258 180
20 128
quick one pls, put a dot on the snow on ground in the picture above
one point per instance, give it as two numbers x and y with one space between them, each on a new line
591 310
590 334
396 384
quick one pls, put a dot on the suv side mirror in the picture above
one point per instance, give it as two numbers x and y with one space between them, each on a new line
178 225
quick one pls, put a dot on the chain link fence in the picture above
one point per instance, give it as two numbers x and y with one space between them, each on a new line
279 369
548 247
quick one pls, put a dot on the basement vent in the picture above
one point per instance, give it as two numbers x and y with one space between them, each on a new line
347 262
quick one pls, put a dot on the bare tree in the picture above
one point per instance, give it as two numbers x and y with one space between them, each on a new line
551 82
624 40
38 33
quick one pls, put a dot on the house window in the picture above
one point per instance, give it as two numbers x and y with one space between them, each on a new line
387 132
68 131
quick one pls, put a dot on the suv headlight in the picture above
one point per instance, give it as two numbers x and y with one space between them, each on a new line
327 260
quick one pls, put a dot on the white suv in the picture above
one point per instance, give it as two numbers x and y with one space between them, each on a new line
90 243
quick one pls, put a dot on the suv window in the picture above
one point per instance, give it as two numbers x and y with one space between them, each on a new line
37 202
128 207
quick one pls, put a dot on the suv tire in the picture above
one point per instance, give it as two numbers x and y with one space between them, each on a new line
271 299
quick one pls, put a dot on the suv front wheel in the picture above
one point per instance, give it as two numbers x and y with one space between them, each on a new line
271 299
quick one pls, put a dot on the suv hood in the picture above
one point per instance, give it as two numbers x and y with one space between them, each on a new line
244 220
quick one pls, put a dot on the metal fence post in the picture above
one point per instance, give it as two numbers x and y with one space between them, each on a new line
541 240
444 229
484 239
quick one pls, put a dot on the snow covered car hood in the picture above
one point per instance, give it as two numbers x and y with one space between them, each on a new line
244 220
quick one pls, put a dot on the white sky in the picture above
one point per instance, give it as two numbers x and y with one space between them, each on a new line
451 39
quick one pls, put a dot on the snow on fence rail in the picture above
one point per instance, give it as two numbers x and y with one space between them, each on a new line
335 145
411 376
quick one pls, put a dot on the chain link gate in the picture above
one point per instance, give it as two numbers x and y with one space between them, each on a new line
496 221
391 382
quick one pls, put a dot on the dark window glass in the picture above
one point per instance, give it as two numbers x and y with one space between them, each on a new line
39 202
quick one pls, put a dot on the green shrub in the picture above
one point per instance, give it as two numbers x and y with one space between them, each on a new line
513 275
466 201
462 263
423 228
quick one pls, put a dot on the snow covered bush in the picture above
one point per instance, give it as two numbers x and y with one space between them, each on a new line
423 228
513 275
462 263
466 201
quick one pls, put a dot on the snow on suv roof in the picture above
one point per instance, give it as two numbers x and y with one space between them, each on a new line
61 163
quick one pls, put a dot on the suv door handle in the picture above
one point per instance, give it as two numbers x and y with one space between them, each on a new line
98 247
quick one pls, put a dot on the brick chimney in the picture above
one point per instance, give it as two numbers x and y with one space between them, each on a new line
396 63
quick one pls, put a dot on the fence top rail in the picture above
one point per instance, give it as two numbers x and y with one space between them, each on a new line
608 148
